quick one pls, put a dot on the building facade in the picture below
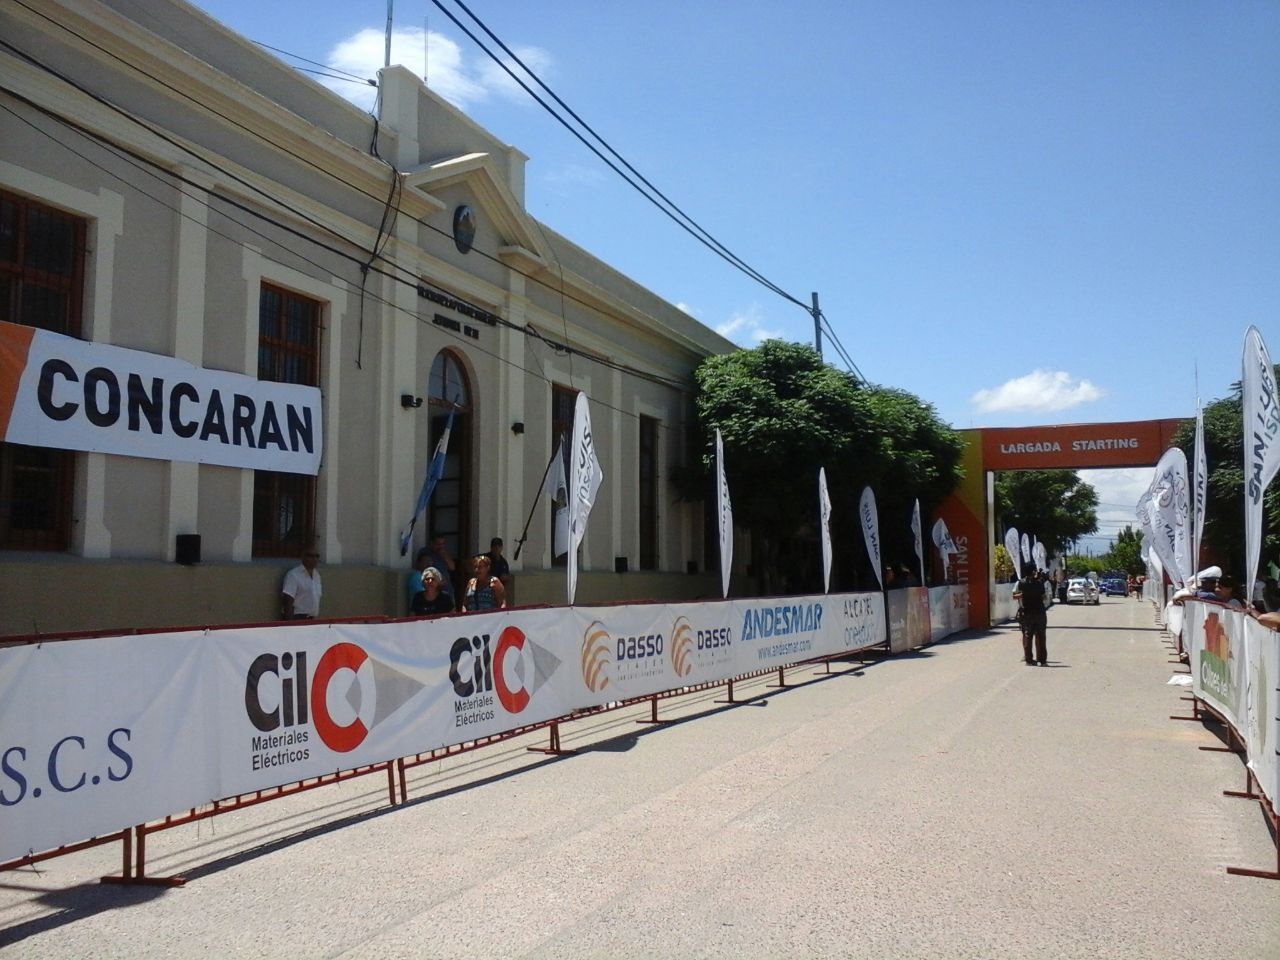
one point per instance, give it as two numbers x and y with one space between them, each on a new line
168 188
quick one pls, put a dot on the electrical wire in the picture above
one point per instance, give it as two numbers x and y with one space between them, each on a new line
652 194
411 278
149 167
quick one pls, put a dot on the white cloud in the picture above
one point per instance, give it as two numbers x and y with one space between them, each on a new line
449 73
746 327
1039 390
1118 491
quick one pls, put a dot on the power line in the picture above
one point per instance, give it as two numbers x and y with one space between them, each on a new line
652 194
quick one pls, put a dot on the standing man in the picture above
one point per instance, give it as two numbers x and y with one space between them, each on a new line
1030 594
300 593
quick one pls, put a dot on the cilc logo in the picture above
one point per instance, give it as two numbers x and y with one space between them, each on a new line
514 670
340 700
596 658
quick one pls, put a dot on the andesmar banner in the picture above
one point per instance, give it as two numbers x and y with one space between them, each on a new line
100 734
69 394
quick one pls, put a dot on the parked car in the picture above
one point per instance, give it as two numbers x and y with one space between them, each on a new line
1114 586
1081 590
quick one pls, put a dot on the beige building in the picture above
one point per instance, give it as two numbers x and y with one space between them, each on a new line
168 187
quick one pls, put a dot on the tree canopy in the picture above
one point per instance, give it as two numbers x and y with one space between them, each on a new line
1223 542
1055 506
783 413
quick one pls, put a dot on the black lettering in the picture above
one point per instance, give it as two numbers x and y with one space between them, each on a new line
215 419
150 406
183 429
270 432
54 780
14 774
266 663
463 688
243 414
120 752
300 429
44 391
97 416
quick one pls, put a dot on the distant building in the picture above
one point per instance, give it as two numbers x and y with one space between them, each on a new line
169 188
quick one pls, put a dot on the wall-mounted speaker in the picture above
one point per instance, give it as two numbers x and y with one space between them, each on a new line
187 549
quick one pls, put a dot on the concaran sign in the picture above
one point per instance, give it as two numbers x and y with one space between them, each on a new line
1077 446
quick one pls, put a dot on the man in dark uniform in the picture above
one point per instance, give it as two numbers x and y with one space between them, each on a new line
1029 592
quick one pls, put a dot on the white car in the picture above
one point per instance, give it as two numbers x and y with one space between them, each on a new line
1082 590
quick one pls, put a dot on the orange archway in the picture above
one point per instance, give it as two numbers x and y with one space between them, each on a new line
968 511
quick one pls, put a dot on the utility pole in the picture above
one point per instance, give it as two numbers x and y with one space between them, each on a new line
817 325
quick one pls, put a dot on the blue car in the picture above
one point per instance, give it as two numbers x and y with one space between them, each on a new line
1114 587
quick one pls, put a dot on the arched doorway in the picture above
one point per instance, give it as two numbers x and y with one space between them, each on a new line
448 388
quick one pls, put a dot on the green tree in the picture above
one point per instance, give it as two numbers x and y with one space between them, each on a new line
783 413
1223 542
1126 553
1055 506
1004 565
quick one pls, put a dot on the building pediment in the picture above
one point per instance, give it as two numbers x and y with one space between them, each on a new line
522 246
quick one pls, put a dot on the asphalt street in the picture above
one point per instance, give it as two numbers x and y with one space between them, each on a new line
948 803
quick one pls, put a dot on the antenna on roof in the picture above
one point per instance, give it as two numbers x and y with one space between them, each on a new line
387 57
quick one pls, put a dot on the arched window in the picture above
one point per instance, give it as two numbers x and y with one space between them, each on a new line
449 514
448 382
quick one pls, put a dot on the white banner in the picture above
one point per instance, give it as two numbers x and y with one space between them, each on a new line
871 530
724 514
100 734
69 394
1026 548
1169 515
941 537
1015 554
824 517
1235 666
1038 555
585 477
1261 444
915 529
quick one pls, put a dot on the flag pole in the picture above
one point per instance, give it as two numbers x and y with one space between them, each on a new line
524 534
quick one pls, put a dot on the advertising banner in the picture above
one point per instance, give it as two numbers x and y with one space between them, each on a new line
1011 541
724 515
824 520
908 610
1261 410
104 733
1214 636
585 477
871 530
1262 706
70 394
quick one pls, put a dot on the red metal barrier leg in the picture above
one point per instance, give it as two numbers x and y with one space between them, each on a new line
729 699
404 790
391 783
653 713
782 680
553 747
138 875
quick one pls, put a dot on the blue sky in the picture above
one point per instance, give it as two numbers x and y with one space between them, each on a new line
1024 213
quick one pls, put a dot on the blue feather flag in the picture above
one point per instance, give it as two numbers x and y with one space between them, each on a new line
435 470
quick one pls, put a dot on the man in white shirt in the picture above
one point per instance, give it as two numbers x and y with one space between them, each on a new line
300 594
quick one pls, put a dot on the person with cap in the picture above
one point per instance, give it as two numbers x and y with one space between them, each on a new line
1030 594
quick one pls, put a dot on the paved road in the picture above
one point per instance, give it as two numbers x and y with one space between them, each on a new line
953 803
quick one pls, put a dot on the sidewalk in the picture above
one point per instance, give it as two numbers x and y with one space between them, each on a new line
950 803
